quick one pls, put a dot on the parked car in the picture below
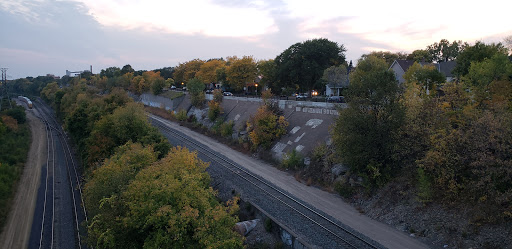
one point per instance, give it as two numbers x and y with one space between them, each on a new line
209 91
173 87
336 99
301 96
227 94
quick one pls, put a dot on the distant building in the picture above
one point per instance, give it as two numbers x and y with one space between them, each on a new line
401 66
334 89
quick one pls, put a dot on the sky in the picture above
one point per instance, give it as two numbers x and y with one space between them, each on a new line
40 37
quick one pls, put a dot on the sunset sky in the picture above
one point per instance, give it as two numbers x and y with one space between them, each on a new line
42 36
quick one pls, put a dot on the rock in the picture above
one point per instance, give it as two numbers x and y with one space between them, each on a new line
307 161
244 227
339 169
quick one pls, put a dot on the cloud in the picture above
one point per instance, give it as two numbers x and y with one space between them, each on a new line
184 17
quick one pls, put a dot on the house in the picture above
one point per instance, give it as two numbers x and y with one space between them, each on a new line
401 66
334 88
446 68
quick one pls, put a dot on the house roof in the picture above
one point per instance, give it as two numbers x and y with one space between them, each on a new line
406 64
446 67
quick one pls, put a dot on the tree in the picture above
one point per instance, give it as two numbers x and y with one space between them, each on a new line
420 55
427 76
267 124
481 74
335 75
241 72
208 71
445 51
110 72
303 64
167 204
127 69
128 123
187 71
365 134
196 89
476 53
267 70
389 57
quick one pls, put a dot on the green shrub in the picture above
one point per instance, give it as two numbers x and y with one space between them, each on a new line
268 225
181 115
344 189
424 186
214 110
226 128
292 160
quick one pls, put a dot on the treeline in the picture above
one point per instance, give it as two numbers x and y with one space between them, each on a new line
14 146
139 192
453 139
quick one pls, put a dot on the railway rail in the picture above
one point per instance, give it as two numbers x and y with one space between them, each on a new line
62 204
342 236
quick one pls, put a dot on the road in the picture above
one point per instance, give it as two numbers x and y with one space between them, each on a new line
326 202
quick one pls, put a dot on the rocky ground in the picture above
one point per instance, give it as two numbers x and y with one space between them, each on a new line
444 227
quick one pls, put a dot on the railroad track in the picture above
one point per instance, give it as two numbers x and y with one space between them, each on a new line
333 230
63 208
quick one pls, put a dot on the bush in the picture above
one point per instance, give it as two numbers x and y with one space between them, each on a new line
292 160
344 189
268 225
181 115
226 129
17 113
214 110
424 186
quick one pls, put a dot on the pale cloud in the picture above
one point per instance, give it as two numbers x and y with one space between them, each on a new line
201 17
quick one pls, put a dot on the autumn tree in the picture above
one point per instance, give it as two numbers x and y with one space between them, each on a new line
168 204
208 71
240 72
303 63
365 134
128 123
187 71
267 125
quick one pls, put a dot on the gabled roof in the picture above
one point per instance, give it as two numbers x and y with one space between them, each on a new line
406 64
446 67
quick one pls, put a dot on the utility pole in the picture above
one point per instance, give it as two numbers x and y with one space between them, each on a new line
4 83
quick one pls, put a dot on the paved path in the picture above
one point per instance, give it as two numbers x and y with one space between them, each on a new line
19 222
327 202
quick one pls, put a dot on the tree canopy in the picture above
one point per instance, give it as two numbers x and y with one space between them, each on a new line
303 63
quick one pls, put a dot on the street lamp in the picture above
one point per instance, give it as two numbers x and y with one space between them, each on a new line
256 89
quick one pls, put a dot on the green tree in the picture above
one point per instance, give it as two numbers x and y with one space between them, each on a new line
365 134
476 53
128 123
335 75
267 70
389 57
127 69
420 55
481 74
427 76
196 89
303 64
445 51
110 72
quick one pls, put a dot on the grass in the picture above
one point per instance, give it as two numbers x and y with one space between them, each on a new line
172 94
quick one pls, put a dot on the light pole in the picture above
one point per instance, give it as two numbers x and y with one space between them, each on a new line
256 89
